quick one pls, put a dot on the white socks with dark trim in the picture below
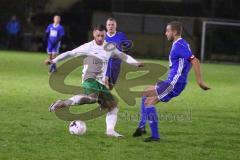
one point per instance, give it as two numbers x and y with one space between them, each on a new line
111 120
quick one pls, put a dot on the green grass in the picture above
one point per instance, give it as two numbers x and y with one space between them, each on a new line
29 131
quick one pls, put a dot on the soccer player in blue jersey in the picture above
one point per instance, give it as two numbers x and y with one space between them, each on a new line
181 60
122 43
54 35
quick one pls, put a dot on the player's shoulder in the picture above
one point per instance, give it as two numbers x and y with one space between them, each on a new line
50 25
89 44
84 46
120 34
181 44
61 26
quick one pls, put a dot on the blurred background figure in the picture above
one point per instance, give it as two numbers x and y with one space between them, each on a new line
114 64
13 28
211 27
53 36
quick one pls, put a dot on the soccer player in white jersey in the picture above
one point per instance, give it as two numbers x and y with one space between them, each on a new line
97 53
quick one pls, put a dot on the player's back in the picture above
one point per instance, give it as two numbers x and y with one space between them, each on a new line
179 62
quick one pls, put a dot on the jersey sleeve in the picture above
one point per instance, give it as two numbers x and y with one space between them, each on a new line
128 59
62 32
80 51
125 44
184 52
123 36
48 29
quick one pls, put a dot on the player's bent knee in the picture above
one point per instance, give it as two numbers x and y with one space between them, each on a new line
109 105
114 110
150 101
149 91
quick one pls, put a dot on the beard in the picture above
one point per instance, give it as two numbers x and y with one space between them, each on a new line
99 42
171 39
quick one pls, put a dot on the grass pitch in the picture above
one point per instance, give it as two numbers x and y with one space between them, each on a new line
195 125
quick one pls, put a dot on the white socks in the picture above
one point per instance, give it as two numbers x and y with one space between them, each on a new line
111 120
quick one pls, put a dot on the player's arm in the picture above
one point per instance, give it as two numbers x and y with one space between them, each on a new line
80 51
125 44
108 74
46 34
128 59
197 69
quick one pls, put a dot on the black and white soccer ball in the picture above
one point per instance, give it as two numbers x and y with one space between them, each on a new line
77 127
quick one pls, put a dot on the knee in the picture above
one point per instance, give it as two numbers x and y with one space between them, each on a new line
114 110
151 101
148 91
145 93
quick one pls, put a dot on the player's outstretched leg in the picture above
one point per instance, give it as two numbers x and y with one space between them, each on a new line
75 100
143 119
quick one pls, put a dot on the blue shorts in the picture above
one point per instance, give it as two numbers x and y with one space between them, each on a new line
166 91
113 70
53 49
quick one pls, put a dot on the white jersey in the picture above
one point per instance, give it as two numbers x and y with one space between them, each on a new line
96 59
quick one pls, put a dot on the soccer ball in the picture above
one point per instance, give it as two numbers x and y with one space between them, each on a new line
77 127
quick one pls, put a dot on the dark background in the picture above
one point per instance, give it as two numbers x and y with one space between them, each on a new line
222 42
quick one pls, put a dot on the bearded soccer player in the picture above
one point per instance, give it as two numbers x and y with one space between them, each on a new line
97 53
181 60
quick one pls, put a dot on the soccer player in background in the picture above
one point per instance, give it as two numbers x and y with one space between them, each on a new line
13 29
94 72
120 40
181 60
53 36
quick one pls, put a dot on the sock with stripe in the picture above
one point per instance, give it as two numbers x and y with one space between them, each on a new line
143 114
153 121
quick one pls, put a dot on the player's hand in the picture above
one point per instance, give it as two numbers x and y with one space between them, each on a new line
107 84
48 62
140 64
203 86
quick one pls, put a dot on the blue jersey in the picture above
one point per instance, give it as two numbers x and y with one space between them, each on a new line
114 64
116 38
179 62
55 33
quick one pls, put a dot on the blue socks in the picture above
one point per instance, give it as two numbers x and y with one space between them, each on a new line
143 119
53 68
149 113
153 121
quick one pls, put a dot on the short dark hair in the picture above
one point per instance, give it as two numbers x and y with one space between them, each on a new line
177 26
56 15
112 19
99 27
